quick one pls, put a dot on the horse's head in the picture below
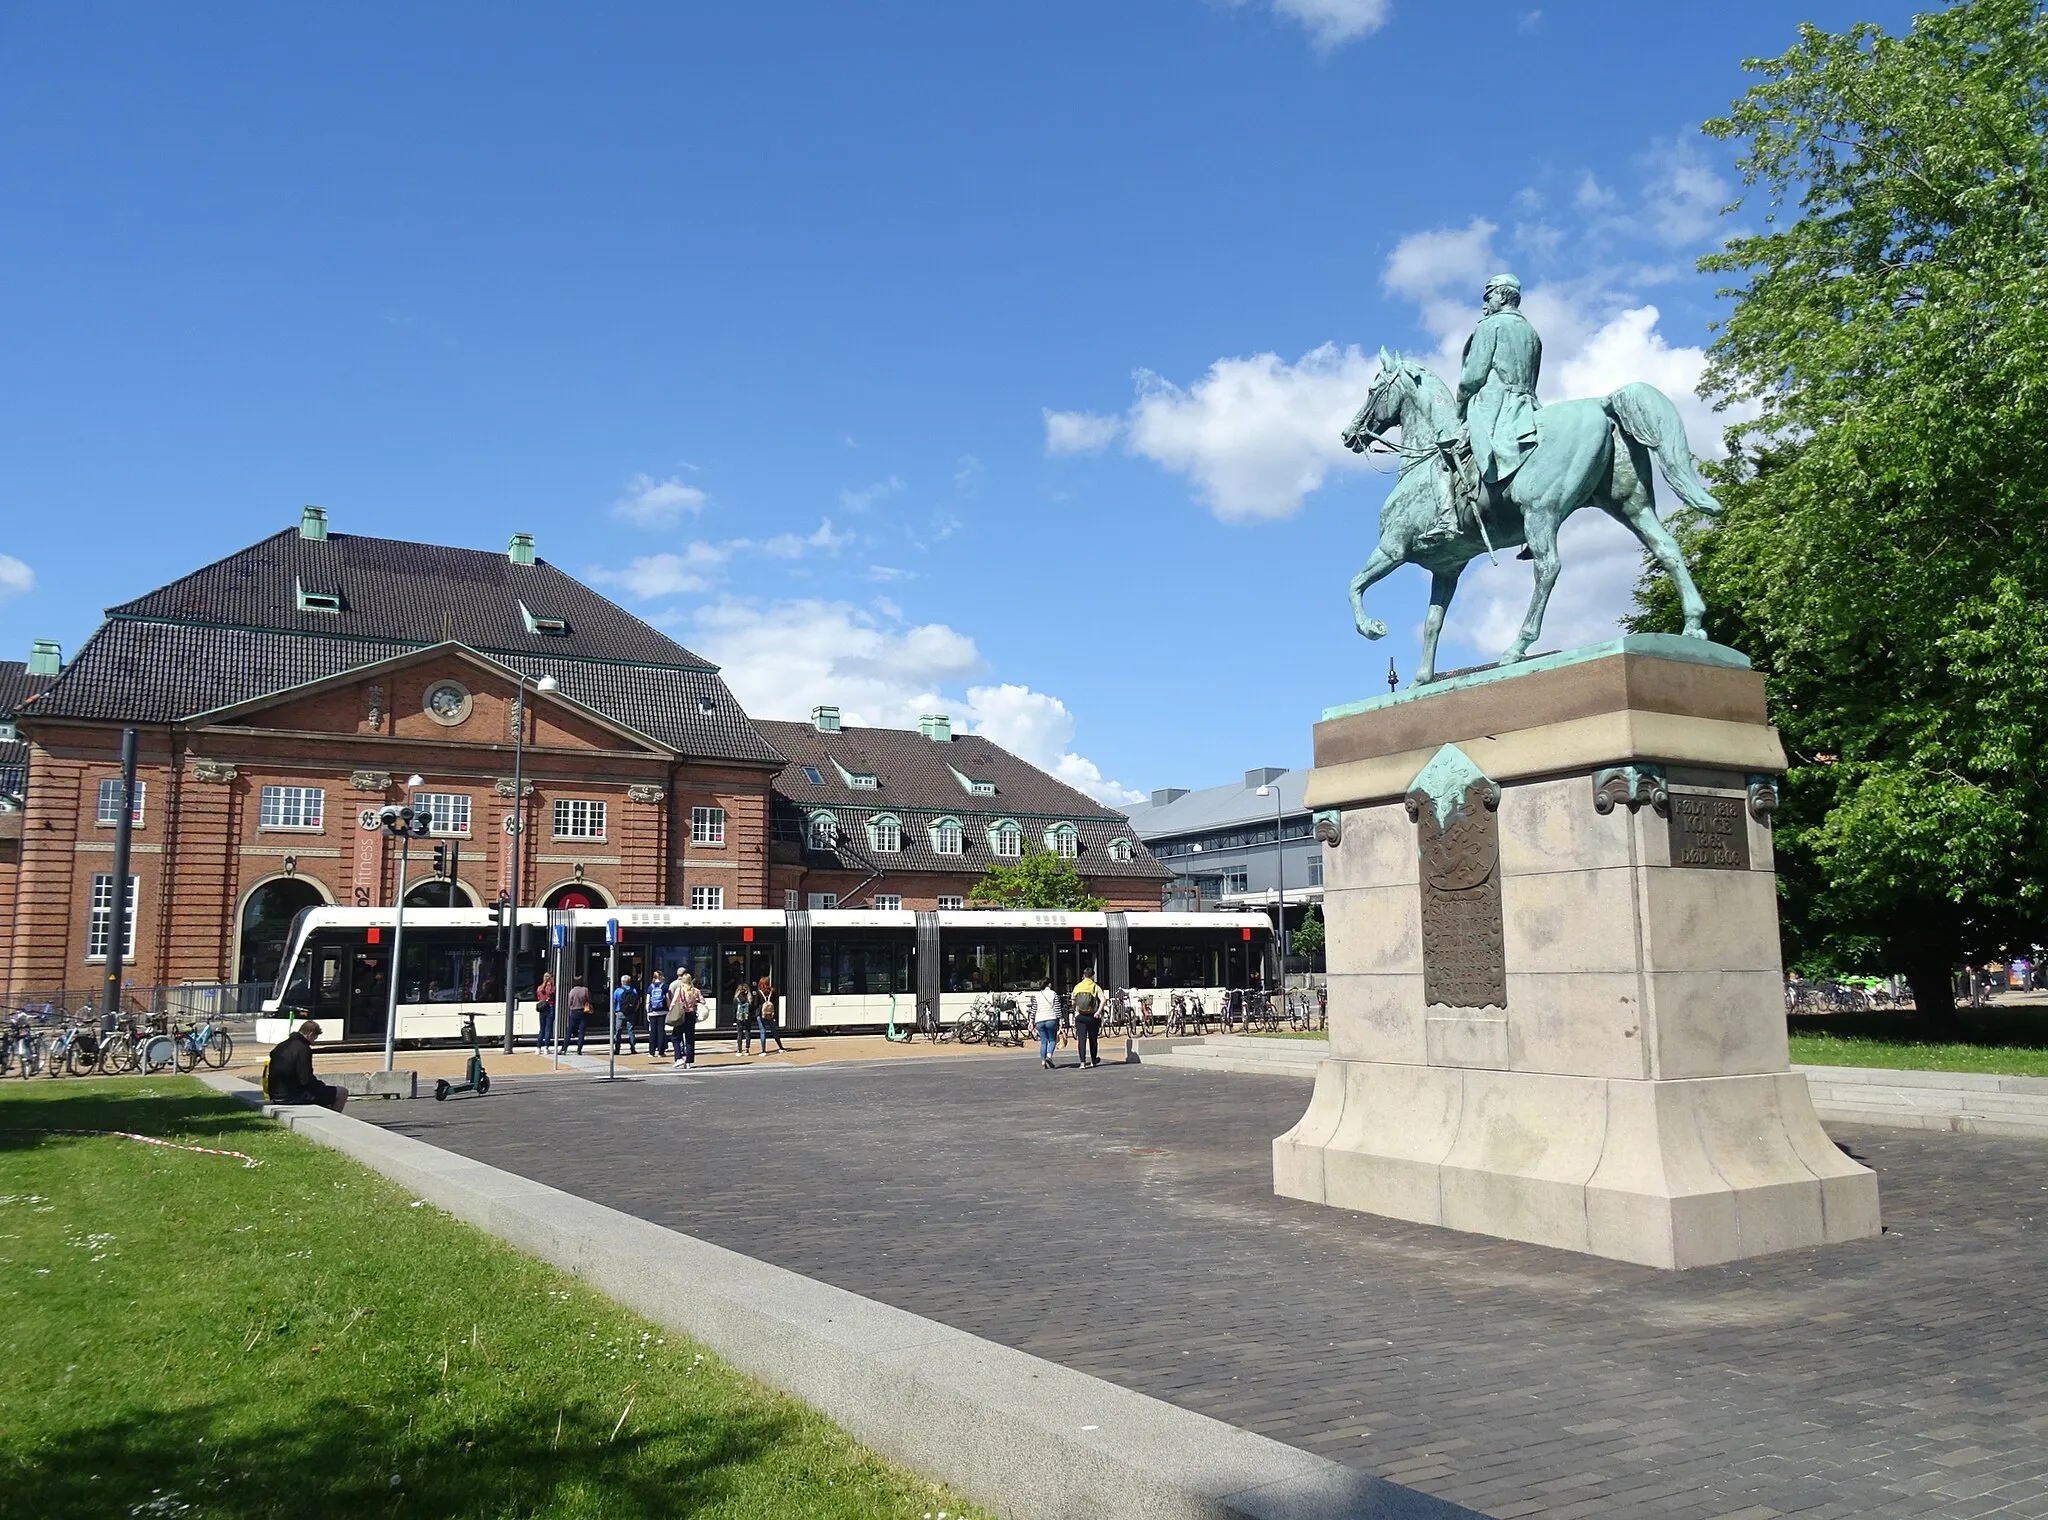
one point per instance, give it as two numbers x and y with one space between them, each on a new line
1394 384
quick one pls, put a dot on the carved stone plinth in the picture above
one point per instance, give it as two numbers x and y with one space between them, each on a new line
1556 1000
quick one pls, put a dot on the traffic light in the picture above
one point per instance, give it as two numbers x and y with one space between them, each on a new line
440 860
497 913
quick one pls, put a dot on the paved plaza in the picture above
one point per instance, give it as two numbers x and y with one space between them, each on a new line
1122 1222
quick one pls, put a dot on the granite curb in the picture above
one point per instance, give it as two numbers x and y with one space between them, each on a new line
1024 1437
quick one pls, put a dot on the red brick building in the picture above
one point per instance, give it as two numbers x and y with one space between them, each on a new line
890 818
285 693
287 689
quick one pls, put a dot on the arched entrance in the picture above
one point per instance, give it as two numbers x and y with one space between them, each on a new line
575 894
433 893
266 921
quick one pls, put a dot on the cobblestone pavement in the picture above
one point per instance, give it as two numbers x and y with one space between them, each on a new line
1122 1222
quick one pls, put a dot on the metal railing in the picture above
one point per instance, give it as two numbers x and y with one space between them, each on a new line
232 1003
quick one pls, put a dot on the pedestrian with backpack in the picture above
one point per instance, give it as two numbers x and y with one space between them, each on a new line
657 1015
1088 1020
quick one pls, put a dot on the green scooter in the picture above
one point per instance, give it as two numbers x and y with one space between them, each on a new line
478 1080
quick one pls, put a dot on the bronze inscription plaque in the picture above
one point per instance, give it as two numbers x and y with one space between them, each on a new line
1709 831
1464 954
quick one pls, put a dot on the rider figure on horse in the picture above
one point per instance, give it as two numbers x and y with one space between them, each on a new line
1496 402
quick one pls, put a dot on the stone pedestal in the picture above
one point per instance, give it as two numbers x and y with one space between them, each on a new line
1556 1000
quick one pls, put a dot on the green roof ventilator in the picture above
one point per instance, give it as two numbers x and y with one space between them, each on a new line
316 601
313 524
535 623
520 550
45 657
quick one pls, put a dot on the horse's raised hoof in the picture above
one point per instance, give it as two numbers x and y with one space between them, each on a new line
1372 628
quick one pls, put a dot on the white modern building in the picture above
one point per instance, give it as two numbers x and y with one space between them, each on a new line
1245 845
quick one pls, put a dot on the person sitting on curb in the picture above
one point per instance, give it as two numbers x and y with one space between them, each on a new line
288 1074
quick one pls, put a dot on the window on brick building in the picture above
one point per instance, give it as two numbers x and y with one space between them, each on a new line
1063 840
578 818
100 921
791 899
1119 849
707 899
110 801
948 838
952 904
824 899
292 807
707 826
886 835
1006 839
449 811
824 831
889 902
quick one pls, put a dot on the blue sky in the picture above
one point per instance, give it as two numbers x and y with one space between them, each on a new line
970 357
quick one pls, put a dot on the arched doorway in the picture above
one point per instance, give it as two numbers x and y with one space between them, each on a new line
433 893
575 894
266 921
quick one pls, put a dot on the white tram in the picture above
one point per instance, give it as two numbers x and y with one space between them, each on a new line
848 970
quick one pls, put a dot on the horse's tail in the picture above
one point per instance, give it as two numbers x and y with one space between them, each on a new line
1647 415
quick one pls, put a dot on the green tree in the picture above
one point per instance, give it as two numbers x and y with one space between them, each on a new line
1039 879
1308 934
1884 556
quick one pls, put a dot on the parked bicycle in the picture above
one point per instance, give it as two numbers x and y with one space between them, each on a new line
206 1042
23 1053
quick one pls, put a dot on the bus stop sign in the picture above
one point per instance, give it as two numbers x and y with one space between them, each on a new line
611 932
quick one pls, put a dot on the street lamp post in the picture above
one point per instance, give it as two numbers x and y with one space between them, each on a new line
404 825
1280 877
545 683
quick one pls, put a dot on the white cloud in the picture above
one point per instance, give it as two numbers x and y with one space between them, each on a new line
785 658
1079 432
15 577
651 503
1258 434
797 545
1425 263
654 575
1332 23
1683 194
1529 23
859 500
889 573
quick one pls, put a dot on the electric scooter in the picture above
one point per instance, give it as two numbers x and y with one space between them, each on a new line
478 1080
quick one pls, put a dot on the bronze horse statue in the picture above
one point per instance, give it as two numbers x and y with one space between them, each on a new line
1595 452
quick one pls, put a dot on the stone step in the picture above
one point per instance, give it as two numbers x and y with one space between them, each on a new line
1967 1102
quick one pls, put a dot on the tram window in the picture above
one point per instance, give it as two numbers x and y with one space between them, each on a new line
854 966
969 967
699 958
1027 964
452 966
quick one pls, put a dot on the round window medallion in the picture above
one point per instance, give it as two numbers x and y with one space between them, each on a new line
447 702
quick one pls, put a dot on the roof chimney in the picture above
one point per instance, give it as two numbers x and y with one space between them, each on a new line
520 550
938 727
1264 775
1167 794
825 719
313 523
45 657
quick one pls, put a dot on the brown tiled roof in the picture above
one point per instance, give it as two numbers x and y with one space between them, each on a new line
16 687
915 782
137 672
407 594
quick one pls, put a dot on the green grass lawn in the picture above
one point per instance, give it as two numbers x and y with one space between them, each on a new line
2007 1041
188 1337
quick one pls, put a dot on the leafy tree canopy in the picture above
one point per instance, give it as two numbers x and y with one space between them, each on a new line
1884 557
1308 935
1039 879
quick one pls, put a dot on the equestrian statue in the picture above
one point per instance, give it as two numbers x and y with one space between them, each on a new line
1492 467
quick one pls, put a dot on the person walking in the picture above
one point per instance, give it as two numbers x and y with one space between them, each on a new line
625 1009
657 1015
684 999
742 1014
765 1012
575 1011
544 1005
1045 1013
1088 1020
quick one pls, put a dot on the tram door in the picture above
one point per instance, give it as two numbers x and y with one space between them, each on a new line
739 963
351 989
1070 959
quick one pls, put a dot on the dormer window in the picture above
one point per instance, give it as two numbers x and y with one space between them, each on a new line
1006 839
858 781
1064 840
540 623
316 601
885 834
971 786
1119 849
948 838
824 831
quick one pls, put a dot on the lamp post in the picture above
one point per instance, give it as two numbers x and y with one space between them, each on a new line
545 683
404 825
1280 877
